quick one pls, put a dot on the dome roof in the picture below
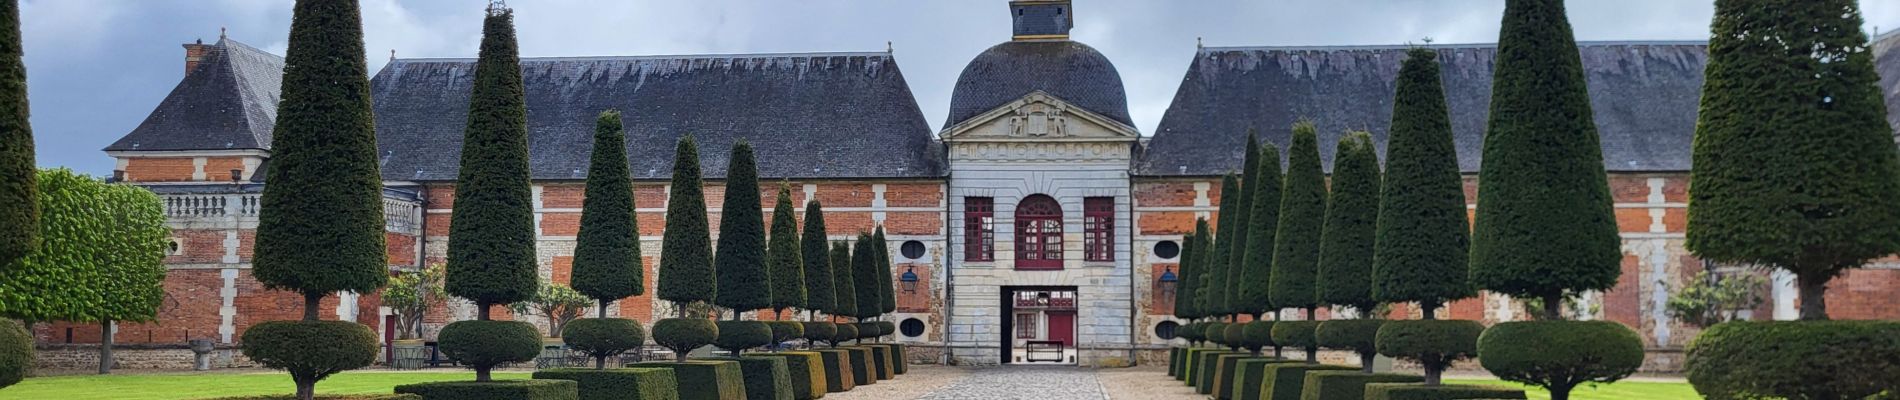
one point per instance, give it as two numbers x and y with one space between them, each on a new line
1069 70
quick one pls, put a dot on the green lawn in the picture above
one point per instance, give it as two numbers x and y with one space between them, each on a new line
201 385
1613 391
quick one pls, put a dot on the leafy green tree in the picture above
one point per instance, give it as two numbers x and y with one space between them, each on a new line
1264 222
411 294
491 237
1218 301
1545 226
131 260
686 272
1711 299
1352 210
818 259
607 264
19 203
886 291
320 220
1237 248
864 271
1421 242
1791 100
787 262
844 288
559 303
740 262
1302 215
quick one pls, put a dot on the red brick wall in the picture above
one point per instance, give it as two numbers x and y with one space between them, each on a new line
169 169
189 311
910 223
836 195
1166 222
218 169
1864 294
911 195
916 301
1165 194
1624 303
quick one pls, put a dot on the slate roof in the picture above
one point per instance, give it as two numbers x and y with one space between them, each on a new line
827 115
1067 69
228 102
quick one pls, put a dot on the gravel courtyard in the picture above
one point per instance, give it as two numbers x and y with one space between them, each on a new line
1025 382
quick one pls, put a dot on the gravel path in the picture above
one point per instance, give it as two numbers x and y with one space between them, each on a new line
1025 383
920 380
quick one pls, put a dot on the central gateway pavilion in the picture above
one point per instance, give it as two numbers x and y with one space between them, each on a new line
1037 218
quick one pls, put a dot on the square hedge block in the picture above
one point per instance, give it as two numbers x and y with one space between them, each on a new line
862 369
808 372
1206 368
837 364
1174 360
1249 373
618 383
1413 391
531 389
1188 360
899 364
1347 385
1226 372
766 378
704 379
1288 381
881 360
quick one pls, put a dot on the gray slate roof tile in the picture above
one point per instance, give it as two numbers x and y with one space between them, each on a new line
1070 70
228 102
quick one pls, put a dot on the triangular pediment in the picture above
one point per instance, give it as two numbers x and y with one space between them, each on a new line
1040 117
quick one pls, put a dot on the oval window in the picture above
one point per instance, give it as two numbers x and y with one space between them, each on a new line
1167 249
1165 329
912 249
911 327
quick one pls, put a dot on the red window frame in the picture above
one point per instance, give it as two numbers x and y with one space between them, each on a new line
1098 229
979 232
1039 233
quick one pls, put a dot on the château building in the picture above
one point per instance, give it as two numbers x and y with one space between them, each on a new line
1037 212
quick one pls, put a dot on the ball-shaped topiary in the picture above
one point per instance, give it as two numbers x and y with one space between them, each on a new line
1190 331
485 344
867 330
1357 335
1235 334
16 352
682 335
1434 344
1215 332
740 335
820 331
886 328
601 338
784 331
1560 355
1257 335
1810 359
313 350
1295 333
845 332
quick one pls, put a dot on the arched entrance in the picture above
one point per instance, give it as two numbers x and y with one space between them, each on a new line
1039 233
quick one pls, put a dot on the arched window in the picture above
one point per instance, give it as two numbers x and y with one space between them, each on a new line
1039 233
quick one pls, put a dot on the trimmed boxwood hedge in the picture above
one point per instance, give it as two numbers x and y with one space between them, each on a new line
1818 359
1236 335
820 331
618 383
1347 385
1215 332
682 335
1357 335
1413 391
1560 355
735 336
843 333
1250 373
837 364
1207 369
785 331
16 352
602 338
862 371
1257 335
1174 360
314 350
327 397
808 372
704 379
1227 372
1296 334
881 359
1441 341
902 364
766 378
1288 380
531 389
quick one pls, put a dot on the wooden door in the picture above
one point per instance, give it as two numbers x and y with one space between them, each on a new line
1062 327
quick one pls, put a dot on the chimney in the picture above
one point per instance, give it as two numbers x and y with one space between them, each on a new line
194 53
1042 19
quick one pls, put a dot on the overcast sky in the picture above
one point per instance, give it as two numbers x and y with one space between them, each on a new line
96 68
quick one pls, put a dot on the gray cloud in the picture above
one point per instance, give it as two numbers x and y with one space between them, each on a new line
97 67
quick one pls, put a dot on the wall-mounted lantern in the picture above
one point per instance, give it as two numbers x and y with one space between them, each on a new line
1164 287
909 279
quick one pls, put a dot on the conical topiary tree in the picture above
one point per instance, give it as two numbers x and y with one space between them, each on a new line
887 293
817 255
785 257
1204 293
491 237
1344 277
1187 277
19 203
740 262
844 286
1302 214
686 271
607 255
1545 227
1420 244
864 274
1263 222
1219 301
1243 208
1777 118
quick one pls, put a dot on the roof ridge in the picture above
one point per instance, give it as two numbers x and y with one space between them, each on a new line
1582 43
664 57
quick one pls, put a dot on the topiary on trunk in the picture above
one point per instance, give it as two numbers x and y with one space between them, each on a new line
1237 250
1302 214
887 292
1791 99
1344 278
784 256
735 336
602 338
19 193
1188 276
864 275
682 335
686 272
740 263
1262 223
313 350
844 293
816 249
1420 244
1219 299
607 264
